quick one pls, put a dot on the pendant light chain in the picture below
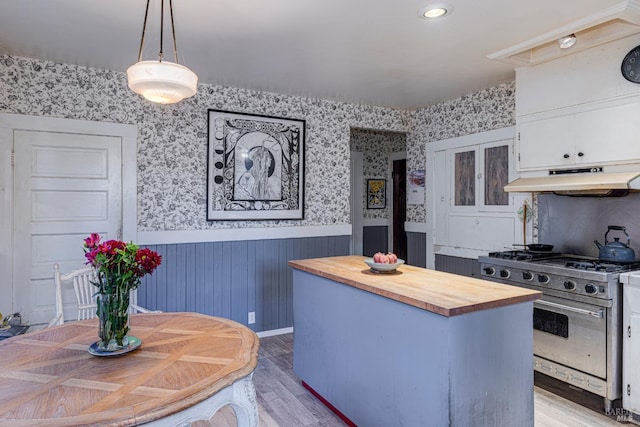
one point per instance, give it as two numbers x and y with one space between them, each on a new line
144 30
161 54
173 30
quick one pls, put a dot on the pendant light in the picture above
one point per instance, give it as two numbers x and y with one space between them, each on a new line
161 81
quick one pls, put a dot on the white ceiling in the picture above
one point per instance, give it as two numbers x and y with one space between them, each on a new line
375 52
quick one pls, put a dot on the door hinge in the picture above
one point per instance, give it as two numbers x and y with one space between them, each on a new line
518 136
629 331
13 158
628 389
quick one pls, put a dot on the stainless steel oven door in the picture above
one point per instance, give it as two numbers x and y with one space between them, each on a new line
571 333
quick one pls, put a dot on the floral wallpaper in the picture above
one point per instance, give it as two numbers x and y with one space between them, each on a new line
172 141
490 109
376 146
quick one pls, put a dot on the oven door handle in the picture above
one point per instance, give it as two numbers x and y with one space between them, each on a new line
599 314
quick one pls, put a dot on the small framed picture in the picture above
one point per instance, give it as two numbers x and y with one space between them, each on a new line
376 193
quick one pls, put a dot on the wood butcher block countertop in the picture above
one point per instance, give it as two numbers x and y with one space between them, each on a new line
441 293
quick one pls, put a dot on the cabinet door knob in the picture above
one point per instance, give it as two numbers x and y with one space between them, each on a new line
580 154
566 156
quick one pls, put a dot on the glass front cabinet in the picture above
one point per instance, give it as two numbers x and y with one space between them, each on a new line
470 213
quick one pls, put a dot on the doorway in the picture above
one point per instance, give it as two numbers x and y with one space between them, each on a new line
372 155
399 206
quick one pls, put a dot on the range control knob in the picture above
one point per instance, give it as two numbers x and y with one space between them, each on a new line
543 278
527 275
590 289
489 271
569 285
505 274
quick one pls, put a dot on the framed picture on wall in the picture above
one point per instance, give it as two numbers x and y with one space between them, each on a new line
255 167
376 193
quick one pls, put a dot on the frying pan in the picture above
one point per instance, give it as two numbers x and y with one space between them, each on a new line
538 247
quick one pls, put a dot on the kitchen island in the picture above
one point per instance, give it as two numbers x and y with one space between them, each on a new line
415 347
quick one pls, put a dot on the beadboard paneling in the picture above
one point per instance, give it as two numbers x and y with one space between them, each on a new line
457 265
230 279
417 249
374 239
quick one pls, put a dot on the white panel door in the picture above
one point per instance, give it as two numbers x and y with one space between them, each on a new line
66 186
439 187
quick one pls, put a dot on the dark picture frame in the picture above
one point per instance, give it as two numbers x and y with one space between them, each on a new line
376 193
255 167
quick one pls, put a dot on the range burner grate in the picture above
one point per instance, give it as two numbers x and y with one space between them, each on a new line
606 267
520 255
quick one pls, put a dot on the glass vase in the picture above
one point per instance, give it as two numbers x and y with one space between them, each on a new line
113 315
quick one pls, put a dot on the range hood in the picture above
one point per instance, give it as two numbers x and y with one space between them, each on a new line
579 184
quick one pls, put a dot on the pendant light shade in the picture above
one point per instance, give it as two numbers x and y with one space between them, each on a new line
162 82
157 80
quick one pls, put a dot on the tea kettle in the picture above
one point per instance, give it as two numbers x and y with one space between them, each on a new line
616 251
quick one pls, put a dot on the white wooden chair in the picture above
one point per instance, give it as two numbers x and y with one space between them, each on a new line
85 294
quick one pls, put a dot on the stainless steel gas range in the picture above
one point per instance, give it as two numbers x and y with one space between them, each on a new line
577 323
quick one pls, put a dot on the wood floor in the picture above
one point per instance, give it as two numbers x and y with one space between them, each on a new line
284 402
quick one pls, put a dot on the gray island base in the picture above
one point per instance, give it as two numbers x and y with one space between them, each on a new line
382 362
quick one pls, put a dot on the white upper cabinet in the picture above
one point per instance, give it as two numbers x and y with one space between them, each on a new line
545 143
608 134
578 111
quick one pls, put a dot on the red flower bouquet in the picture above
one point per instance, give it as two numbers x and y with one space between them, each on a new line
119 267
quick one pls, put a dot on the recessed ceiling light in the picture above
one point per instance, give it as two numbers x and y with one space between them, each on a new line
567 41
435 10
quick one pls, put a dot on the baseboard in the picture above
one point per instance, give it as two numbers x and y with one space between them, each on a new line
328 404
415 227
274 332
